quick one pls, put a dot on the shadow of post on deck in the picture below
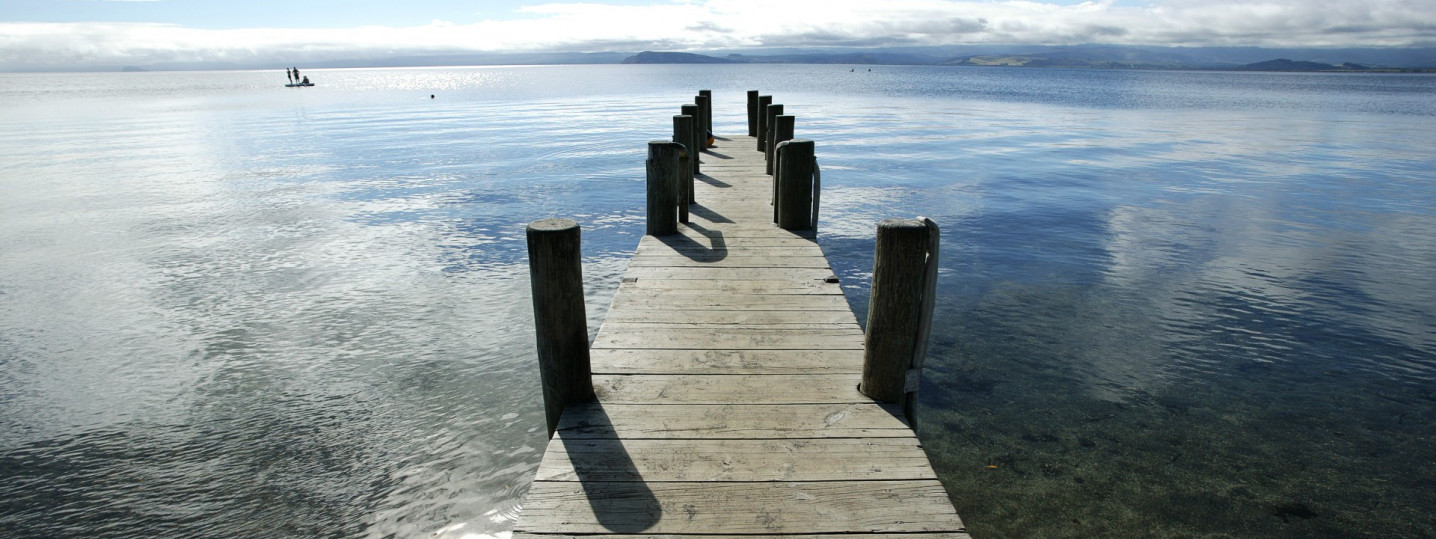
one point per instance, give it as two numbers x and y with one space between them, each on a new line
620 499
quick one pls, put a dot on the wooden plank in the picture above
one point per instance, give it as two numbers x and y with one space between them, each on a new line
725 389
709 421
729 274
933 535
730 302
741 231
832 459
726 260
611 361
616 324
682 317
729 339
683 249
740 508
712 238
754 287
718 317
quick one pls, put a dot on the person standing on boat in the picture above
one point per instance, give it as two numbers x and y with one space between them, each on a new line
289 74
296 74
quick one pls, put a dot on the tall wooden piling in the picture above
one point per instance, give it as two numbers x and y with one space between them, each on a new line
560 323
770 113
693 142
683 134
763 102
703 102
663 162
782 131
793 202
752 113
707 105
899 310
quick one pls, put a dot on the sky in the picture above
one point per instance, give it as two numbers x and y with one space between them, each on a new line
55 34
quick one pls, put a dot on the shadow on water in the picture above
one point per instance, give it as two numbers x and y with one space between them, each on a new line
620 500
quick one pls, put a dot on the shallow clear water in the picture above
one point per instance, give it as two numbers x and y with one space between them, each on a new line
1171 303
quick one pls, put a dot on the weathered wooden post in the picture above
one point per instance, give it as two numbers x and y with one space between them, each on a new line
770 112
900 310
752 113
782 130
702 101
763 102
692 110
707 106
560 323
663 187
793 201
683 134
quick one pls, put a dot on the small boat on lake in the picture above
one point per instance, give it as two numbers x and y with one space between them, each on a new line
294 80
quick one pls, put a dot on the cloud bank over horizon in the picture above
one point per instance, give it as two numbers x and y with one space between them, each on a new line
715 25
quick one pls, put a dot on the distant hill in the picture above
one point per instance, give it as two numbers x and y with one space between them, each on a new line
861 58
650 57
1283 64
1088 56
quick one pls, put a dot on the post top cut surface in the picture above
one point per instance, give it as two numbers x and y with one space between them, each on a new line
554 224
901 223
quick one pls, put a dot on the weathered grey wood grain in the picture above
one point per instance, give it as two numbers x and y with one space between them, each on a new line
662 361
781 132
692 110
730 302
754 508
692 237
688 318
730 339
668 389
720 421
662 201
794 200
729 260
683 127
894 307
830 459
728 274
560 323
932 535
754 287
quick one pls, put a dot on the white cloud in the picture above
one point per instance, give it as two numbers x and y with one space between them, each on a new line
722 24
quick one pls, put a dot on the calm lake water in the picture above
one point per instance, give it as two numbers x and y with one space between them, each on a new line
1172 303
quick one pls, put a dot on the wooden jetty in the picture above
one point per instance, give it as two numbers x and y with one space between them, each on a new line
723 397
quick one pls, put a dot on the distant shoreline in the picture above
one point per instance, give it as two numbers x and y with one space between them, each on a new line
1350 60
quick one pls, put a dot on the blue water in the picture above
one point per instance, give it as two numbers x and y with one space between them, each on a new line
1171 303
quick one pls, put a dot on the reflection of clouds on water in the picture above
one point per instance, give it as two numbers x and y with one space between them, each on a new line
1397 272
1240 284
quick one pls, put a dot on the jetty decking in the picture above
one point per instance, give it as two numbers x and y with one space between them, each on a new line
726 374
